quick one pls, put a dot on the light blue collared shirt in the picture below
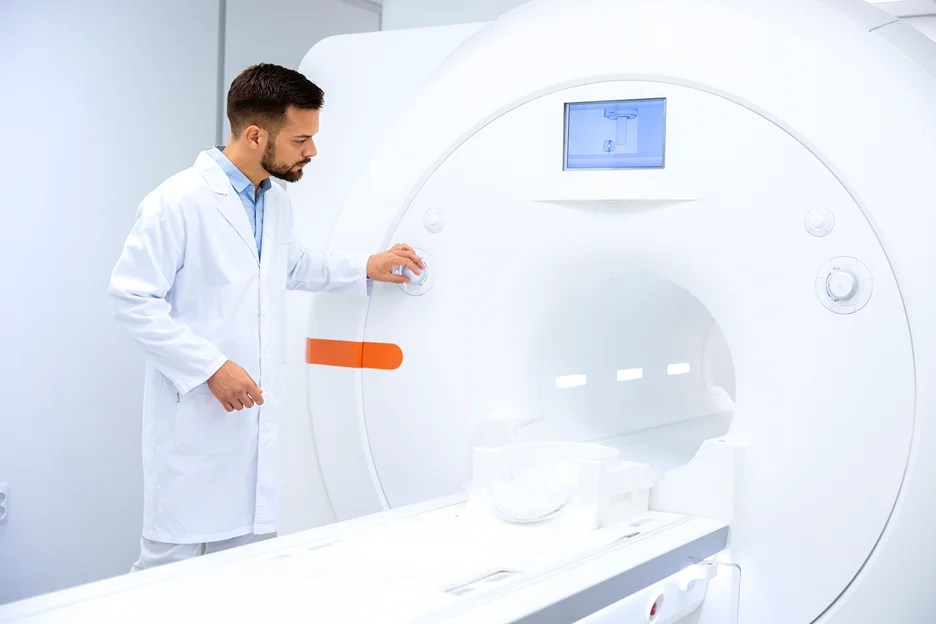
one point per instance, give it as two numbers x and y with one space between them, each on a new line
252 200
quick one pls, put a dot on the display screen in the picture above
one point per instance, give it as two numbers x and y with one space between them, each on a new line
622 134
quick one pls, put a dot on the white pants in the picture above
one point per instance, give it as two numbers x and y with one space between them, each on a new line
154 554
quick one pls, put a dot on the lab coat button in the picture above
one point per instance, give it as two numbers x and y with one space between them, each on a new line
266 426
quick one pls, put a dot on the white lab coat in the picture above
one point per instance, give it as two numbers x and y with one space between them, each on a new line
190 290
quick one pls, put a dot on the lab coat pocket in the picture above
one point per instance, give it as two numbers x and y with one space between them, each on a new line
203 427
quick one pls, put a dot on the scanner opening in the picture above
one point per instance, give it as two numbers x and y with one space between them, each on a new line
635 362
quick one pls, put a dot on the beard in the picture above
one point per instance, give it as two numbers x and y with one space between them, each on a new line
289 173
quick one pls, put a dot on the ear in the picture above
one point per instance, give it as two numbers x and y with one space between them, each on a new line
253 135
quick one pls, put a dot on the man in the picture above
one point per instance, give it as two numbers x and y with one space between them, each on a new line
200 286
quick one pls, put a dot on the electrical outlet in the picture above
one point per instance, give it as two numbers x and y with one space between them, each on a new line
4 502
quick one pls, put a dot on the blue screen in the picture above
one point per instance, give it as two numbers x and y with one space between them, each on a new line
624 134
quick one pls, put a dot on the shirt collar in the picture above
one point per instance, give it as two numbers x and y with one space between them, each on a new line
239 181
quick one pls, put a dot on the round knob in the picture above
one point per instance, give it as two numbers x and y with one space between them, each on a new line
418 284
414 279
841 285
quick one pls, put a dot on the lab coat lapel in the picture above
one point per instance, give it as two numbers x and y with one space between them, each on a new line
233 210
231 207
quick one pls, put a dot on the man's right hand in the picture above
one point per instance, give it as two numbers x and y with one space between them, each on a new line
234 388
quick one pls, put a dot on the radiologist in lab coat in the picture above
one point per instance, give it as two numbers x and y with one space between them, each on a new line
200 286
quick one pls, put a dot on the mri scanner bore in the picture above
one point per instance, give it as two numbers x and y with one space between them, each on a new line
684 386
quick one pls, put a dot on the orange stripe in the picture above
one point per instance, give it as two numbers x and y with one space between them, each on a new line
346 354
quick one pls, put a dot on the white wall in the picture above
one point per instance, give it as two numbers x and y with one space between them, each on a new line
282 31
97 107
100 102
399 14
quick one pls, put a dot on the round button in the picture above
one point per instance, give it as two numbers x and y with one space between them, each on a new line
434 220
819 221
841 285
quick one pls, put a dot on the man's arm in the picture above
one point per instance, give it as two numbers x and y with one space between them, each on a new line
338 272
145 271
317 271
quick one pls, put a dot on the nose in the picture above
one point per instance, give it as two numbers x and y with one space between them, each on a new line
311 151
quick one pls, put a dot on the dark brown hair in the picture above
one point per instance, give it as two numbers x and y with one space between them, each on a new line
261 94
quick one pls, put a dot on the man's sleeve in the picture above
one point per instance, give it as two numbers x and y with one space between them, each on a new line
317 271
145 271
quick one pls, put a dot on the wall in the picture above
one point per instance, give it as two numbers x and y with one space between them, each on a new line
284 30
100 102
399 14
97 108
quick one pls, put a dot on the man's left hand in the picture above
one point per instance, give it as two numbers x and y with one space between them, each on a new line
380 266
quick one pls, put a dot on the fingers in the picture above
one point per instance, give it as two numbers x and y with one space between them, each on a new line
408 252
410 260
241 402
412 267
416 259
234 389
255 393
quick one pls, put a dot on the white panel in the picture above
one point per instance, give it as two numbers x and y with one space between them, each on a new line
905 8
399 14
864 14
102 101
350 132
926 25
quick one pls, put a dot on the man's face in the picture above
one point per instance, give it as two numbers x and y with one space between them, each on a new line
293 147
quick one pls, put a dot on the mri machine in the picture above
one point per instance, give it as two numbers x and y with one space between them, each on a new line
669 360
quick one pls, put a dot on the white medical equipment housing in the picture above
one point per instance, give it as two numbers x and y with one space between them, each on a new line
662 226
693 236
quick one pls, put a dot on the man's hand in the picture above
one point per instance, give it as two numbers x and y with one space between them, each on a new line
380 266
234 388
